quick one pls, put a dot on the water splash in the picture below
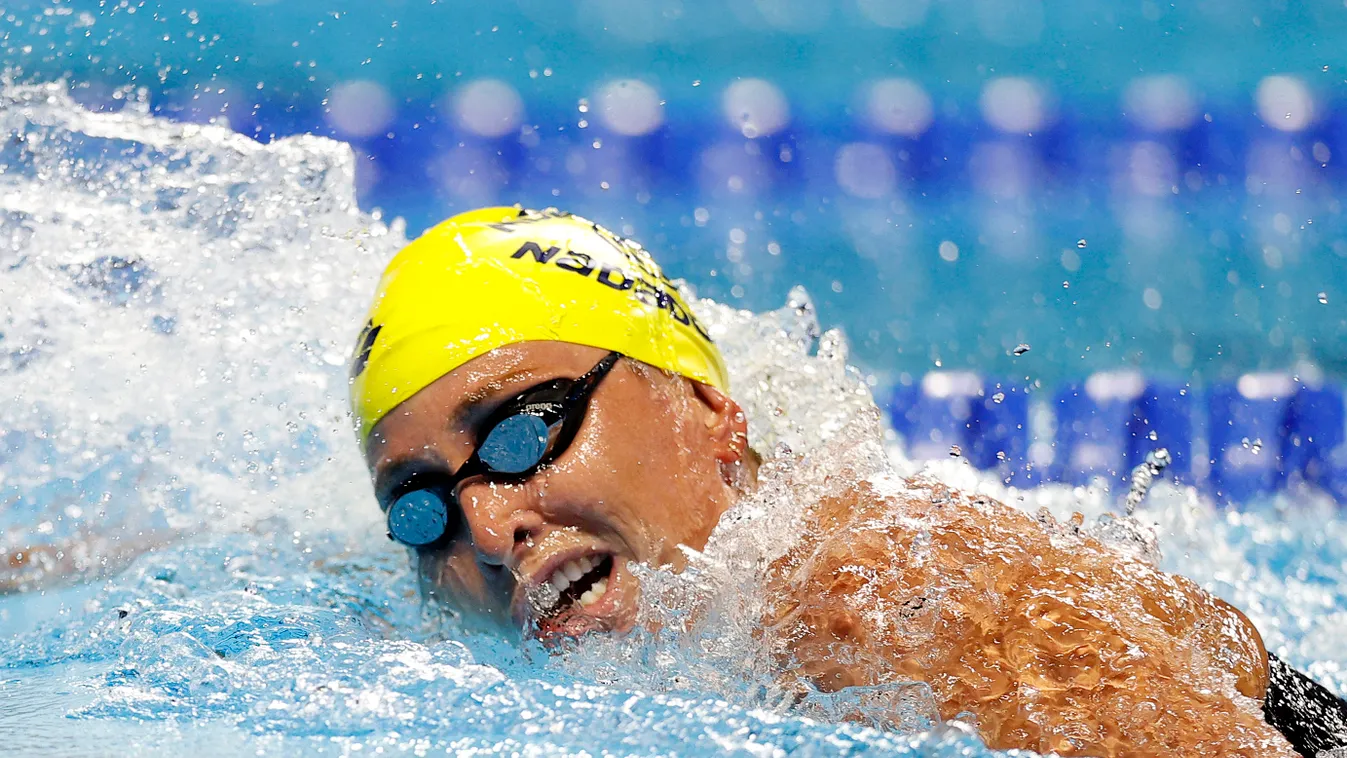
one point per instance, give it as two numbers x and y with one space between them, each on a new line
178 302
1143 476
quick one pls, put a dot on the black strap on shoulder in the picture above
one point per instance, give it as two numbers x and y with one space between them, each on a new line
1307 714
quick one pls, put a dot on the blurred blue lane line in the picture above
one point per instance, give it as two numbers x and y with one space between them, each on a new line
1265 432
885 137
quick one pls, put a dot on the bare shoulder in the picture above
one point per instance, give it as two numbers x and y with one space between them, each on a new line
1009 617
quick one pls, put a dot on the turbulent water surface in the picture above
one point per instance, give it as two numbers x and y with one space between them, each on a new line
176 307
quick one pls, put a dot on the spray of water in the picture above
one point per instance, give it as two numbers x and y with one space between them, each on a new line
177 306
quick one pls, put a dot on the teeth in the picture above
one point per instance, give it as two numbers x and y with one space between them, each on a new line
593 594
572 571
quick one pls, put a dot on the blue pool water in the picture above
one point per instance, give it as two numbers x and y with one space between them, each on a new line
1152 186
177 302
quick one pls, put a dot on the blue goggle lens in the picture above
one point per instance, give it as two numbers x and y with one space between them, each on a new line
418 518
515 445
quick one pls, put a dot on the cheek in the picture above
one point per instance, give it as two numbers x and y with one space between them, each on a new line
671 484
656 453
643 474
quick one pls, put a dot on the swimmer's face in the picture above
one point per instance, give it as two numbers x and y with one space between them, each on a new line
652 467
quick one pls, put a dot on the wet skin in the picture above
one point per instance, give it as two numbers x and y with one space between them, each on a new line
1056 643
654 465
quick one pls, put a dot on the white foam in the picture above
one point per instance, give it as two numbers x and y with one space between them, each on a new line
179 304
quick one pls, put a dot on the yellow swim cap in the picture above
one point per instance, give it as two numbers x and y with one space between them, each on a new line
499 276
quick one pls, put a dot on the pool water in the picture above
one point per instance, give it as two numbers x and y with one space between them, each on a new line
260 662
179 302
1160 190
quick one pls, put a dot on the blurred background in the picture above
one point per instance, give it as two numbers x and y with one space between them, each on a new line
1035 191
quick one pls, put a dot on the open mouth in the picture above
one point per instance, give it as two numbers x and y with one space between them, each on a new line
576 586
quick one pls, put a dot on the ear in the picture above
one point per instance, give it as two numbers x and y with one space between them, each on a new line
726 425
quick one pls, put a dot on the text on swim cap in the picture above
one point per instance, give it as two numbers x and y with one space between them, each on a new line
642 289
364 344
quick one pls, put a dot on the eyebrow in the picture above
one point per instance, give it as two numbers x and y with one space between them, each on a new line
396 475
482 400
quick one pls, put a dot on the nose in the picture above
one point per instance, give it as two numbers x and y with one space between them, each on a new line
500 518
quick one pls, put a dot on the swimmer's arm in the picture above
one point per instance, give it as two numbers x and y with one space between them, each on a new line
83 558
34 567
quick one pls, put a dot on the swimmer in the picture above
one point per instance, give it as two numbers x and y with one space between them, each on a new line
539 408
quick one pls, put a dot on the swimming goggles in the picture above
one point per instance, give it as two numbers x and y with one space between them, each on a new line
525 434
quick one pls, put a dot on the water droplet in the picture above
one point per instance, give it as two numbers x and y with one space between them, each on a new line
1153 436
955 451
1001 455
1257 446
999 397
1080 243
1323 298
1020 349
